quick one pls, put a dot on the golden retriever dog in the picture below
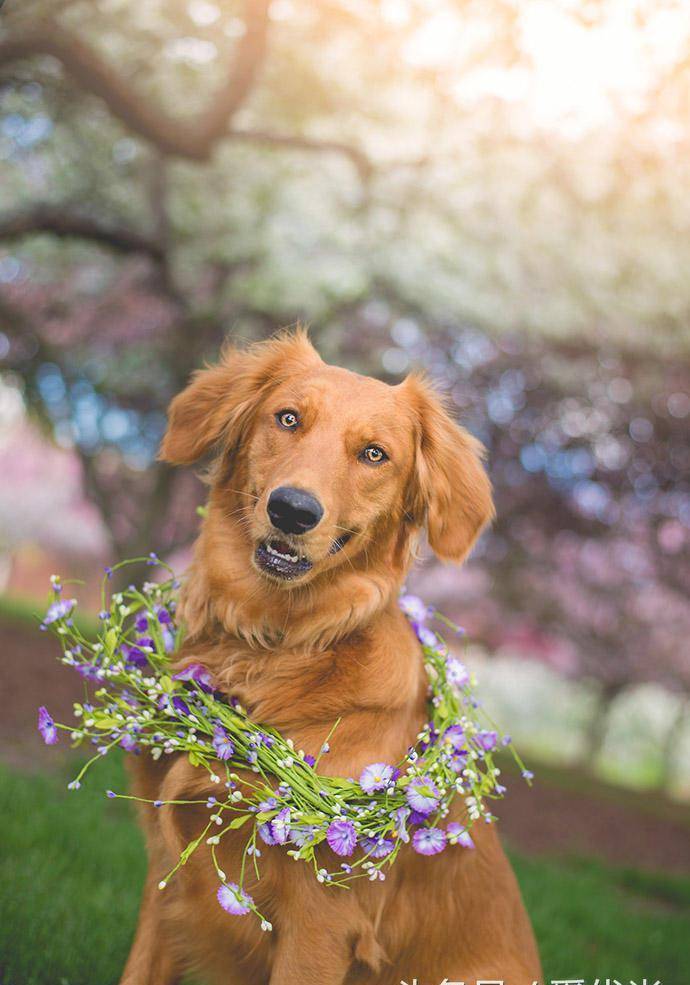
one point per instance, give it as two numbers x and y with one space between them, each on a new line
321 483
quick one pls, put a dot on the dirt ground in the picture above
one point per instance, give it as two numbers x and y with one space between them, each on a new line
562 814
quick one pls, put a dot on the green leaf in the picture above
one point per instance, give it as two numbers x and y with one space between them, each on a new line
342 783
265 816
237 822
186 852
106 722
194 758
166 683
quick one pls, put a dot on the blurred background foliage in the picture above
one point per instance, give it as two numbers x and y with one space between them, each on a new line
494 190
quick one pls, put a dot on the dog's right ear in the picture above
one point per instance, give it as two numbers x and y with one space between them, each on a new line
199 416
219 401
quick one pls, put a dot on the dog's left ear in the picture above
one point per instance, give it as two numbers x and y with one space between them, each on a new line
450 494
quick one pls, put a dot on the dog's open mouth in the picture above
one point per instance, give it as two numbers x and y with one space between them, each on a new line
281 560
277 558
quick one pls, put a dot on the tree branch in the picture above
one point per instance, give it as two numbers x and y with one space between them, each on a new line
68 225
364 165
178 138
194 140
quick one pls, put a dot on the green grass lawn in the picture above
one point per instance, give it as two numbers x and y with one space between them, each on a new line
72 864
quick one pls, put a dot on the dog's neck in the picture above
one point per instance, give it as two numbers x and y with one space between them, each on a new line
225 595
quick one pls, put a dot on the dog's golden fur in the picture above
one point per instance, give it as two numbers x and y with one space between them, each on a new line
300 654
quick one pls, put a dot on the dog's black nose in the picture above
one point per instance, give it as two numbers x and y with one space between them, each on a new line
294 511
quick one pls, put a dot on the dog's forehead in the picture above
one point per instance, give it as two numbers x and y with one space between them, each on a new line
348 393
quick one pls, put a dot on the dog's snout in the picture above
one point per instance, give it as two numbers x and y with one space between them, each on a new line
294 511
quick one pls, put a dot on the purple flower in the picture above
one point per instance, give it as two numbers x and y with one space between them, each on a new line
413 607
458 760
487 740
375 777
422 795
234 900
141 623
164 617
58 610
180 706
342 837
280 826
433 736
133 655
301 836
266 833
458 835
310 760
199 674
90 672
429 841
401 816
455 737
456 673
427 637
527 775
128 743
46 726
377 847
168 639
417 818
222 743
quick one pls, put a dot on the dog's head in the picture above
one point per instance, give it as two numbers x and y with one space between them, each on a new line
317 470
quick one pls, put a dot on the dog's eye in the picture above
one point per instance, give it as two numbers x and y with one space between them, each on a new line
374 455
287 419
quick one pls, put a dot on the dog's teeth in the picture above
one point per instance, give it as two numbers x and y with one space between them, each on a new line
293 558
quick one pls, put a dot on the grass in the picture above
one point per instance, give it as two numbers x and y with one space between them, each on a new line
26 612
72 865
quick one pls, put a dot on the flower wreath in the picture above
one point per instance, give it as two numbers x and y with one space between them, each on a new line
140 704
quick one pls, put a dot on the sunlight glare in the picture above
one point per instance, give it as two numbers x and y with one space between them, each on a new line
585 68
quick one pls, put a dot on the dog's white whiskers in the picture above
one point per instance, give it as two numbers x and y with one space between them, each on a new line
243 492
